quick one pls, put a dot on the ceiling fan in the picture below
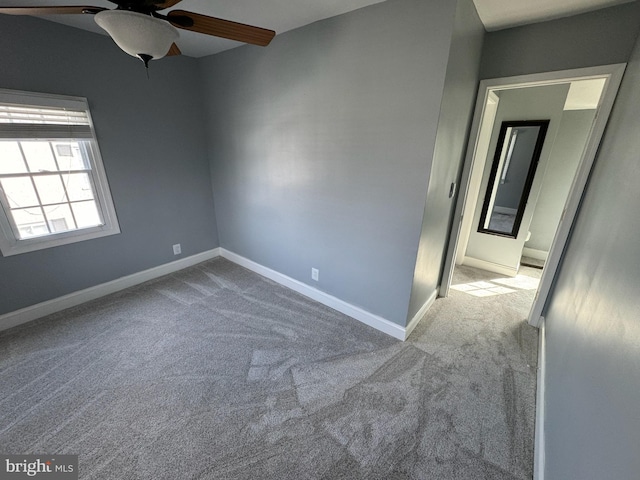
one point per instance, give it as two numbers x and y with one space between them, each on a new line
138 28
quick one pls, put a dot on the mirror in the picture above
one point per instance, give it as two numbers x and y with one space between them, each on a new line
514 166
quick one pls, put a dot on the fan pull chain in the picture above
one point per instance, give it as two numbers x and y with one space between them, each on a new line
145 59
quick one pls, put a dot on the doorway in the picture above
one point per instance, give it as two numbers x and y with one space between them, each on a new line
549 97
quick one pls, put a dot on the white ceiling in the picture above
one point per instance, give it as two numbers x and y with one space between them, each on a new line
584 94
284 15
499 14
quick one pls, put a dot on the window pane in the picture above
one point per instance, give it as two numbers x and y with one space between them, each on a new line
78 186
50 189
86 214
30 222
39 156
19 191
59 218
69 156
11 159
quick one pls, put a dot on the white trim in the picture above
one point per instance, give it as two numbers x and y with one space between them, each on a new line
553 77
552 263
470 183
24 97
613 75
533 253
10 243
538 450
421 313
357 313
42 309
489 266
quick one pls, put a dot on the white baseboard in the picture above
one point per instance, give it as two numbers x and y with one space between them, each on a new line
418 316
42 309
538 459
533 253
39 310
358 313
489 266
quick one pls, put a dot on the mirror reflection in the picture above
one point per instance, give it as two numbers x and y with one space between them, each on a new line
514 165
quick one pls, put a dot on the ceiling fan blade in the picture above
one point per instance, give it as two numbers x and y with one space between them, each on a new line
174 50
220 28
75 9
145 5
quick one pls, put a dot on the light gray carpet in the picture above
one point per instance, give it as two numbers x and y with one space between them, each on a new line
217 373
502 222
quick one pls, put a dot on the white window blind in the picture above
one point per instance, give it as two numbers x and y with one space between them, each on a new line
25 121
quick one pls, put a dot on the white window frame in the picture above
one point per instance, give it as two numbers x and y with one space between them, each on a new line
9 244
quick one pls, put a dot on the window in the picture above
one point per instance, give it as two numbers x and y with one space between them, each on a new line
53 188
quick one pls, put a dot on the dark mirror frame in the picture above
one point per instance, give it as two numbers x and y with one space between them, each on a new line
543 124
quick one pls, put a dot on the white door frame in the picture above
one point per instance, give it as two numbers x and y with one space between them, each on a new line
613 75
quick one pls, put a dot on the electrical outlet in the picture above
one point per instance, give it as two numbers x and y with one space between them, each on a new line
315 274
177 250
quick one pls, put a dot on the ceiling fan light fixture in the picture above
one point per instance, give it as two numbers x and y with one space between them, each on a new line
137 34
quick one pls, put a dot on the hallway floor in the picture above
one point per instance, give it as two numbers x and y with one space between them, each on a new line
481 332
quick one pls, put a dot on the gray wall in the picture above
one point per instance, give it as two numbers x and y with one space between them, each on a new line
321 146
458 100
597 38
592 388
153 145
575 126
